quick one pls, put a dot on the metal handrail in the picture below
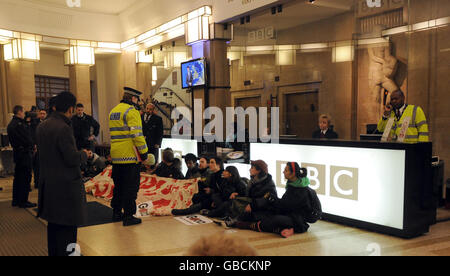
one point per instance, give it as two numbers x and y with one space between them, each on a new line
163 89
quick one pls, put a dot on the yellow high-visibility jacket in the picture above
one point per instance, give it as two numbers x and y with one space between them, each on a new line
127 138
418 127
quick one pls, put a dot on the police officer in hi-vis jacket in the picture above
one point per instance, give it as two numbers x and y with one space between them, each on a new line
128 149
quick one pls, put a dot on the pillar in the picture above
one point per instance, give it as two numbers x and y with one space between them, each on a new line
80 85
4 100
144 79
21 88
128 73
218 93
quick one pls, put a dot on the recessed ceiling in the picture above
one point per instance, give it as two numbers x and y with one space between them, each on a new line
111 7
297 13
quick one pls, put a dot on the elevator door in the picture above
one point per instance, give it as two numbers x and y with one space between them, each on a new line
302 114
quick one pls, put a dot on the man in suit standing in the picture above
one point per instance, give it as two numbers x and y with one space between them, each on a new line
85 129
62 198
325 129
41 117
153 129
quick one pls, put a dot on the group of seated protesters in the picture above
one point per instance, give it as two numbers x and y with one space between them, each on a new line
242 203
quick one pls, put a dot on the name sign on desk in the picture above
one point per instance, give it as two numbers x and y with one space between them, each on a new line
357 183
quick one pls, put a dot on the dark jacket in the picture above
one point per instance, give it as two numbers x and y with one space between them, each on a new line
225 188
214 180
153 130
163 170
257 189
204 176
82 130
329 135
295 203
193 173
62 197
19 135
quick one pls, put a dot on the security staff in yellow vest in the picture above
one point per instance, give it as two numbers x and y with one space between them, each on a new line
128 149
397 109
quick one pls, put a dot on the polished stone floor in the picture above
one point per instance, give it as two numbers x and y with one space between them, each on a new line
165 236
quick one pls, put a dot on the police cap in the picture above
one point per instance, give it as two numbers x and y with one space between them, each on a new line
132 92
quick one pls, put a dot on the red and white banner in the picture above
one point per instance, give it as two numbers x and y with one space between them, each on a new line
164 193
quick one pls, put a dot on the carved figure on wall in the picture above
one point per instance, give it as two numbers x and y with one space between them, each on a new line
382 69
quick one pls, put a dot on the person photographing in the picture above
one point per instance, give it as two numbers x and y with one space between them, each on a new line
400 112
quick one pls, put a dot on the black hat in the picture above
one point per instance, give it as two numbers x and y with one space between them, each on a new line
132 92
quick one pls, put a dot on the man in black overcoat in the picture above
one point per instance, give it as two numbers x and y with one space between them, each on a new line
62 197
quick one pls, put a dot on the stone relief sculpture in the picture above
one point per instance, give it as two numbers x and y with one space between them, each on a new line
382 69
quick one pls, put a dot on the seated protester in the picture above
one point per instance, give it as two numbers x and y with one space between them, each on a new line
203 168
177 164
168 168
290 210
193 169
201 196
203 199
228 189
93 166
261 186
216 168
325 130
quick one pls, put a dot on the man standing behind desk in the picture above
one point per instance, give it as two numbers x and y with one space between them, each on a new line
399 111
128 148
62 198
153 129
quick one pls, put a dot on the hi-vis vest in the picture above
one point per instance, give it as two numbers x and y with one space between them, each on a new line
418 127
127 139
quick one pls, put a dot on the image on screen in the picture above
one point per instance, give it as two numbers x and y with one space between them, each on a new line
193 73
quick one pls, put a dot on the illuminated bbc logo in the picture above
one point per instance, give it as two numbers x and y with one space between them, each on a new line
343 180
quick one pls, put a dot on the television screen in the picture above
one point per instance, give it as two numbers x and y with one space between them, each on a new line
193 73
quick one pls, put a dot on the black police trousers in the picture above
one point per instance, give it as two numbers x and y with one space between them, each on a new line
127 180
22 178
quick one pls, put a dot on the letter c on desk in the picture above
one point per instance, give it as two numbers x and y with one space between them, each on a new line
336 182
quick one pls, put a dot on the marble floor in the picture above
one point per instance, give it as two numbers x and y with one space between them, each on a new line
165 236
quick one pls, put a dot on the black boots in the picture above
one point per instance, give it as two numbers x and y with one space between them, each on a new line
191 210
117 216
127 220
27 205
130 221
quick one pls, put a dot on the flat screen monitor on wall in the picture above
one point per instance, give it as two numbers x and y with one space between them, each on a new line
194 73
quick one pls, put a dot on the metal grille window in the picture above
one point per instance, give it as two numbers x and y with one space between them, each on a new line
48 87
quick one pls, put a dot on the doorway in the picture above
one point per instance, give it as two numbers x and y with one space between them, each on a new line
302 113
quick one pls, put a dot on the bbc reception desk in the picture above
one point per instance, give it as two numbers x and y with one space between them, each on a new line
381 187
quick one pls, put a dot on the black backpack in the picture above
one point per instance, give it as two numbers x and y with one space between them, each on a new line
315 213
